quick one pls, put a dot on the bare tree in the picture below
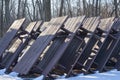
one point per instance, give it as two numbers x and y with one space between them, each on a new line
61 7
84 6
18 14
47 10
116 8
69 7
1 23
96 10
24 9
7 13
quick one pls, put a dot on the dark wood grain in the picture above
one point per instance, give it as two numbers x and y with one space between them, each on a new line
10 34
31 56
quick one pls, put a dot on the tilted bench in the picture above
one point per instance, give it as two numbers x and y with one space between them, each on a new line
73 52
43 40
18 46
10 34
71 27
107 41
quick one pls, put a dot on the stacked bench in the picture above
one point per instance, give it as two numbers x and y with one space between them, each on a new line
62 45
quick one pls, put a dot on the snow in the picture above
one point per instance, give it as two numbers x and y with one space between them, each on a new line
111 75
39 78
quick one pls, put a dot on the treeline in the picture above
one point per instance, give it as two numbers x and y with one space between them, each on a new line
45 9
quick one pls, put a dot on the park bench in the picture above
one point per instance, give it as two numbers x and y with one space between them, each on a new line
10 35
73 52
37 48
18 46
108 42
71 28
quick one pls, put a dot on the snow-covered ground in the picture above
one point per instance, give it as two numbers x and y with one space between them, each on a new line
111 75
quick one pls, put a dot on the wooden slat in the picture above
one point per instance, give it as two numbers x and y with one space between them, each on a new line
105 42
69 61
31 56
116 51
18 41
94 22
90 43
88 61
110 50
22 43
10 34
89 22
55 45
38 25
110 44
104 24
73 29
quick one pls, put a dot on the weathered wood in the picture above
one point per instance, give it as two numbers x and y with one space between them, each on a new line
69 61
107 42
31 56
22 43
105 26
75 25
90 54
42 28
55 45
117 51
12 31
90 41
112 48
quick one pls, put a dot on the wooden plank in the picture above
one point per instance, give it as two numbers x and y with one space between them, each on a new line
55 45
94 21
116 51
69 61
91 57
105 52
111 51
31 56
88 24
73 29
4 43
102 50
104 24
90 43
23 43
42 28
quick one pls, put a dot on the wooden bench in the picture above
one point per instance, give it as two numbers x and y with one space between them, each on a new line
92 51
112 53
74 49
108 42
71 27
10 34
35 51
18 46
14 46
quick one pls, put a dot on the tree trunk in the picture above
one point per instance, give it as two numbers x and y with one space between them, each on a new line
7 13
40 7
99 7
24 9
93 2
69 8
116 8
1 25
84 6
18 14
33 4
47 9
61 8
96 10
